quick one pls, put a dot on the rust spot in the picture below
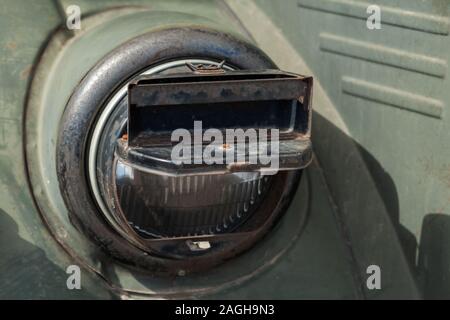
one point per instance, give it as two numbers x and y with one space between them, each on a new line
11 45
26 72
226 146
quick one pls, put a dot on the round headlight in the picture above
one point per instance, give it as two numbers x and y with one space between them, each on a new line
148 218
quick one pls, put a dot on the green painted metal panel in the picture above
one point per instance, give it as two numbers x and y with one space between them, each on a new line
389 88
378 190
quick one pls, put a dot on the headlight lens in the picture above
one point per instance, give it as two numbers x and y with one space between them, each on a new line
165 206
202 215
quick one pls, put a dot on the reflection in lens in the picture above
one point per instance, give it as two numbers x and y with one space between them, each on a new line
165 206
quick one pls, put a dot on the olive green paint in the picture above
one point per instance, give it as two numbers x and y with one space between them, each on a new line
389 87
318 264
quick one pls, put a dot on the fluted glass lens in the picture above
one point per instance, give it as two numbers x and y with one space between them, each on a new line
166 206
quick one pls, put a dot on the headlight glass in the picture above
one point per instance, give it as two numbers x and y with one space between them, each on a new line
166 206
210 215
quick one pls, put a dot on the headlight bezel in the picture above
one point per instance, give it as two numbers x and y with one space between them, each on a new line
76 131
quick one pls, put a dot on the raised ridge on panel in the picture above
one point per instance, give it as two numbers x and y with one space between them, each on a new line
393 97
424 22
382 54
